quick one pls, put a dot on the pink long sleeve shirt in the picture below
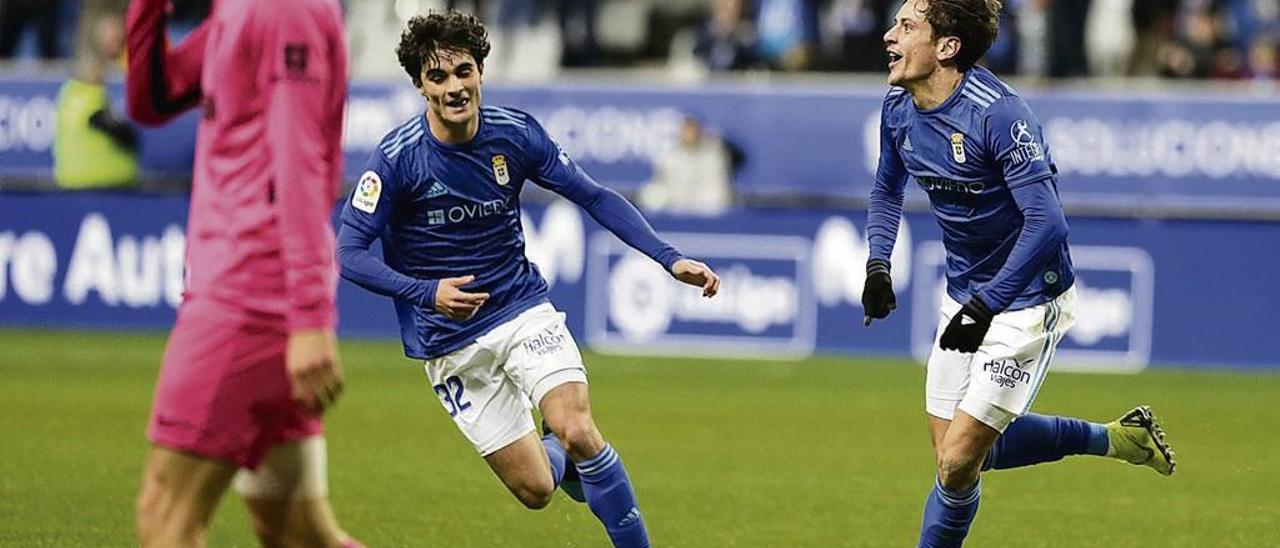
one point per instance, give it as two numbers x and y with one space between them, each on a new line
271 80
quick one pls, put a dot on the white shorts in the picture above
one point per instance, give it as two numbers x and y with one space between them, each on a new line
490 386
998 383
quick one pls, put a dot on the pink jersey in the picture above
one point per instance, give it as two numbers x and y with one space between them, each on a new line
271 78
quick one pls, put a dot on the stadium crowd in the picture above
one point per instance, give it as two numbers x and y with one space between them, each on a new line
1219 39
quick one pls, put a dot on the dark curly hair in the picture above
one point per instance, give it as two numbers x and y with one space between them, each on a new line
451 31
974 22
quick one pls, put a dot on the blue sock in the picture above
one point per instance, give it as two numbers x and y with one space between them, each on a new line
948 515
557 456
1033 439
609 494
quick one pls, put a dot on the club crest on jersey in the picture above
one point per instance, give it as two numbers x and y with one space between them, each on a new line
365 197
957 147
500 172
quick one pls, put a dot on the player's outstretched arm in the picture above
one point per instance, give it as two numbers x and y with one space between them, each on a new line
162 82
698 274
560 174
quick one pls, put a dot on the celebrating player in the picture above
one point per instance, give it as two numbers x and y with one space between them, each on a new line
975 147
443 193
252 360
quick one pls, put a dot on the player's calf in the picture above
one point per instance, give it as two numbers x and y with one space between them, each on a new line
178 496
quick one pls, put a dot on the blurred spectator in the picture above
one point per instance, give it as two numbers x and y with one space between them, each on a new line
728 41
93 148
693 178
1109 37
1192 52
1031 24
578 30
857 29
1002 56
1066 38
788 33
1263 62
17 16
86 43
527 44
1153 23
373 30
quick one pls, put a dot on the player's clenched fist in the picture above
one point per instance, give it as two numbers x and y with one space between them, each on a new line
878 299
696 273
455 303
315 373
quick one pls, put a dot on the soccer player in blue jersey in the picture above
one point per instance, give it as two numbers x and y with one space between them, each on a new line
976 148
442 193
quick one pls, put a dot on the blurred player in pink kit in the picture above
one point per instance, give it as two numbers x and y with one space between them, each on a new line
252 361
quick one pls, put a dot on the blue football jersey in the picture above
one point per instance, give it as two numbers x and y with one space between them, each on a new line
974 155
444 211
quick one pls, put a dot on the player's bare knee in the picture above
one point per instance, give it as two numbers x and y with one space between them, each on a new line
534 495
580 437
958 469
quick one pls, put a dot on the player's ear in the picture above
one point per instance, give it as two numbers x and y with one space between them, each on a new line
947 48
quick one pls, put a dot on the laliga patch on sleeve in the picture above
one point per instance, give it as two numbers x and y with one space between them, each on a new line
365 198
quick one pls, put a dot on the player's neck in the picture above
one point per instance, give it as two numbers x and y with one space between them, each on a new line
936 89
450 133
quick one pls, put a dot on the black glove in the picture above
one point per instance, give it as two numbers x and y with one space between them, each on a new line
877 294
967 328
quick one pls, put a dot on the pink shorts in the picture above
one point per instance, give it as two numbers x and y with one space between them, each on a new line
223 392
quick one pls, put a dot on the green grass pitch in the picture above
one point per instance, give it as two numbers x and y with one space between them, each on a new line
826 452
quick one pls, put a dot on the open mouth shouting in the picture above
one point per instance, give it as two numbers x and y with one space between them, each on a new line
894 58
458 104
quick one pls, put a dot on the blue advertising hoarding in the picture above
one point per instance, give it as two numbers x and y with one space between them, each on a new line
1151 293
1141 150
